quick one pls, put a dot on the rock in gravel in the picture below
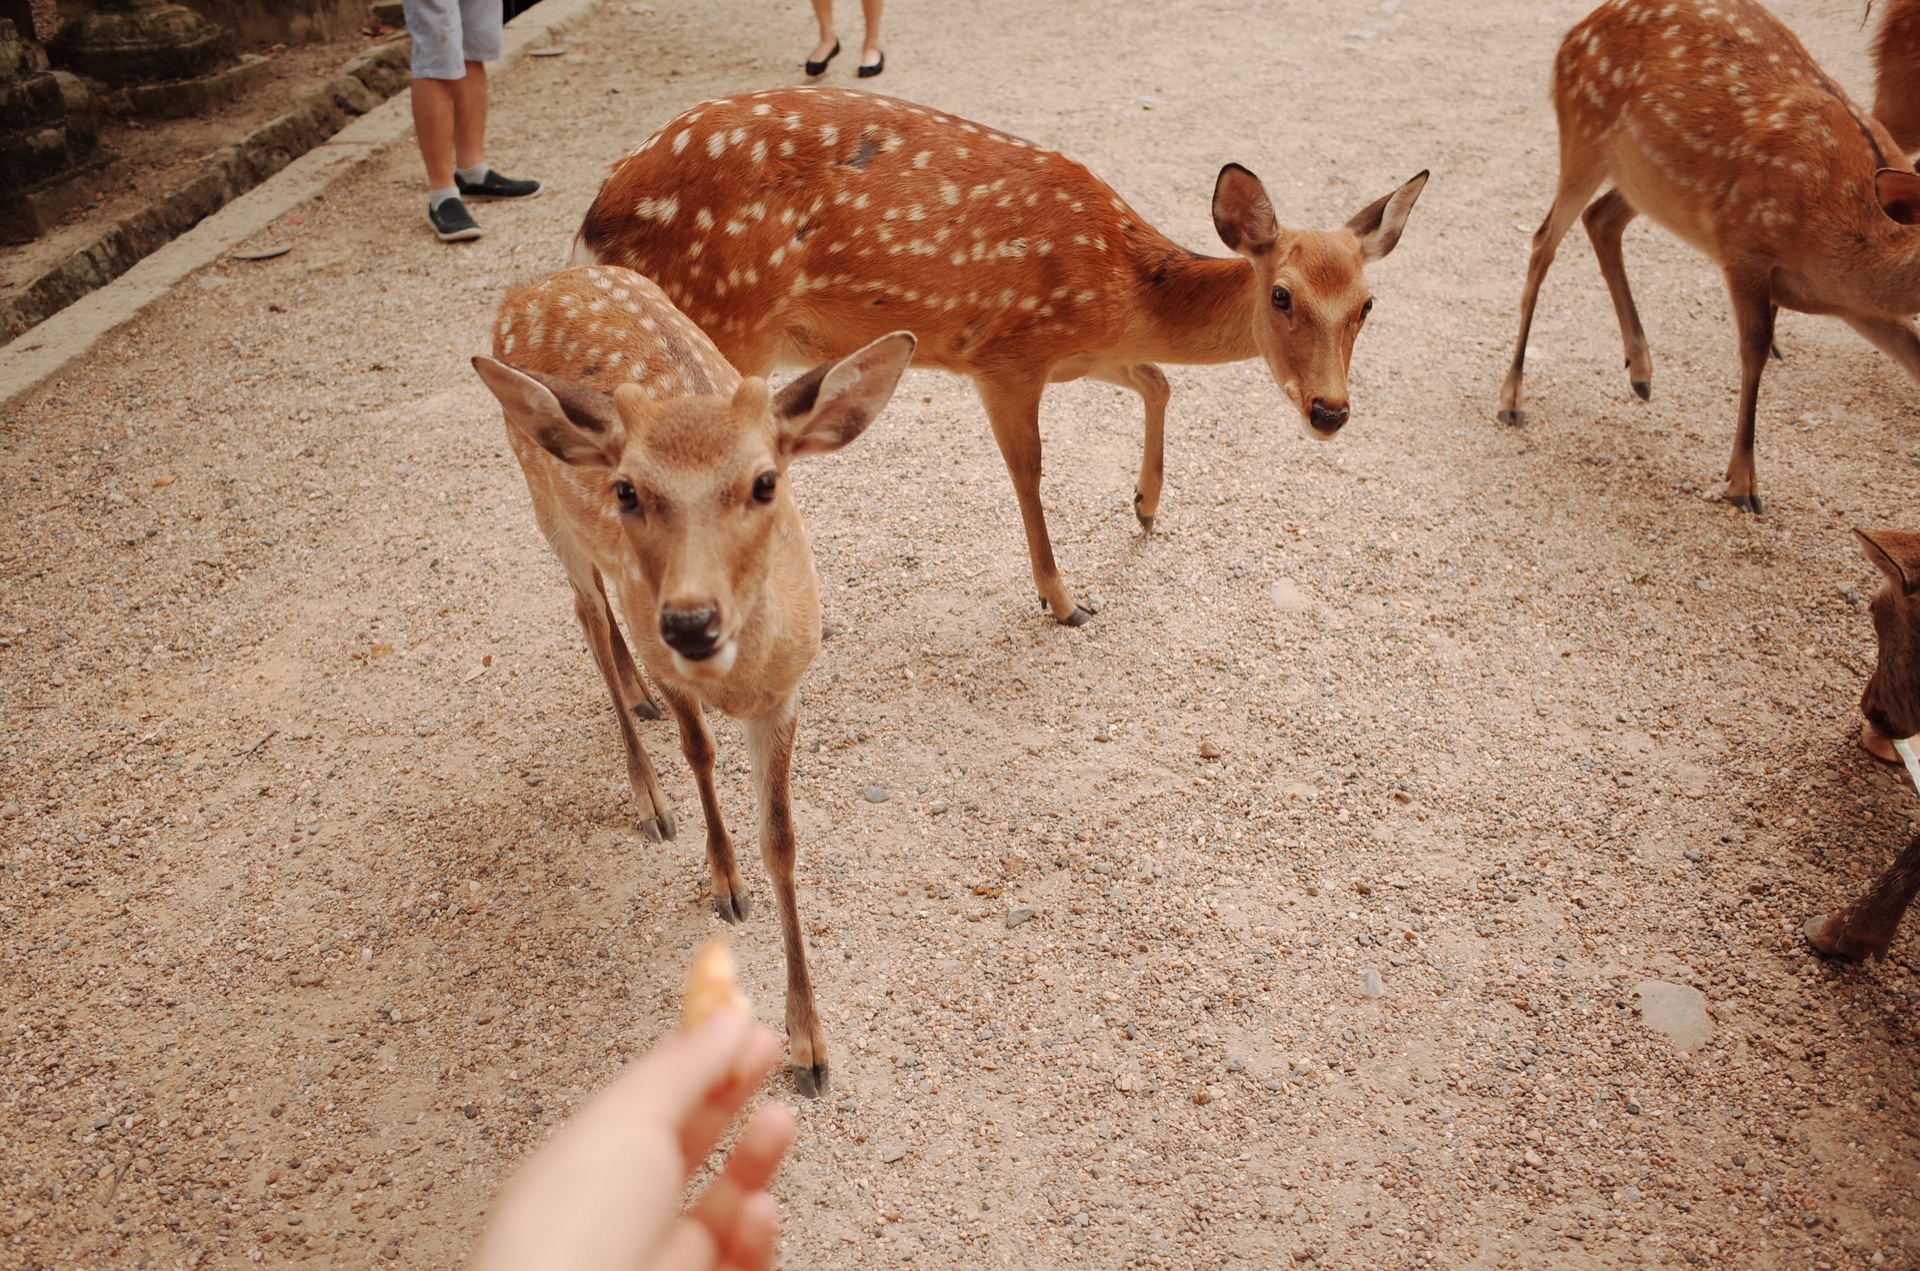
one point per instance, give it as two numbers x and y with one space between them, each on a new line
877 794
1209 751
1017 914
892 1152
1370 985
1675 1010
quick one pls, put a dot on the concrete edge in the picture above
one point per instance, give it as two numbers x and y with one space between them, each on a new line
47 349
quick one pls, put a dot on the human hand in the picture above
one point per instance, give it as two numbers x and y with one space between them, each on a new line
604 1193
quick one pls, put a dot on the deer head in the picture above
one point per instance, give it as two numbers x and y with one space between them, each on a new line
1891 701
1311 295
699 483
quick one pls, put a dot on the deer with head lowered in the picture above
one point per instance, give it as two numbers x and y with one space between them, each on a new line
1712 119
659 477
798 224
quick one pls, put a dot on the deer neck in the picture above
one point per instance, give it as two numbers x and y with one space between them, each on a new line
1199 308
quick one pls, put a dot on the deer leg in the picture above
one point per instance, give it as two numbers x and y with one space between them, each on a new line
1753 311
1894 337
770 749
696 743
1865 928
1150 382
1578 181
596 621
1014 411
1606 219
632 682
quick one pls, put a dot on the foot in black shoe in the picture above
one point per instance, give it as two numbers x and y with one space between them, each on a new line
452 222
495 186
868 72
816 69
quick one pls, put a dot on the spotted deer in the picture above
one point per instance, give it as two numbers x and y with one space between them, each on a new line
1890 705
1709 117
659 477
1896 73
798 224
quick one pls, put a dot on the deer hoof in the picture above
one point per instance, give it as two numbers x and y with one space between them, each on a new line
1876 744
651 828
1078 618
1745 502
647 708
1146 523
1643 389
810 1082
1840 946
732 908
1512 418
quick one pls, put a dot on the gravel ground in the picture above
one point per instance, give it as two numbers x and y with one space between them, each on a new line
1295 909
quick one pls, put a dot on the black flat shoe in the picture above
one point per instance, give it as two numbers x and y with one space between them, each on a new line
816 69
868 72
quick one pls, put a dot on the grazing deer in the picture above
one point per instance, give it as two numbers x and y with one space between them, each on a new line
1891 705
654 467
1709 116
1896 73
798 224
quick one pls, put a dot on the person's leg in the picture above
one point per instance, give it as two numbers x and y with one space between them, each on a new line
469 98
433 116
823 14
870 52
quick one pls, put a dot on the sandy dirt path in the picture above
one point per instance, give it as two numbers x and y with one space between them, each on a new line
321 899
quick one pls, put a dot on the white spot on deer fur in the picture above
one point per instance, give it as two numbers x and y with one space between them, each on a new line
829 134
506 345
703 218
759 152
680 140
762 108
716 144
921 160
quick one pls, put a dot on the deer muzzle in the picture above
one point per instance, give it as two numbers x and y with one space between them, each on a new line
694 634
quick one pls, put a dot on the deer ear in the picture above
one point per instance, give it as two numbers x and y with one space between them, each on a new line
1378 224
572 423
1242 213
1899 194
829 406
1896 555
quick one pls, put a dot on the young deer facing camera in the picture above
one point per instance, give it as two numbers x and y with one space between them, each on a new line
659 476
797 224
1709 116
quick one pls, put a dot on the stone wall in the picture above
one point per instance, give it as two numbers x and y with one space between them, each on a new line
251 21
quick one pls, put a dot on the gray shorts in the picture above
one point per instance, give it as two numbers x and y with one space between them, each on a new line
447 34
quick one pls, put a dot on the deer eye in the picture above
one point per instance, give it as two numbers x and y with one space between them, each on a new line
764 485
1283 300
629 499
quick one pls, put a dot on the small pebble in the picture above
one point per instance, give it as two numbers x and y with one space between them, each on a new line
892 1153
1017 914
877 794
1370 985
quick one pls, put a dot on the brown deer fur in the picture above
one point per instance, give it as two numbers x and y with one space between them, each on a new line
659 476
1891 705
797 224
1896 73
1709 117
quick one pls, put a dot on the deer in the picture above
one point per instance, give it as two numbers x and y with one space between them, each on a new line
1896 73
796 224
1890 706
658 475
1712 119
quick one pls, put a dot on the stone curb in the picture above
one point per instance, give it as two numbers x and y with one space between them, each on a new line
285 180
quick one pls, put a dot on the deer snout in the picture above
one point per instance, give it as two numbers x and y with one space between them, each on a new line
1326 417
692 632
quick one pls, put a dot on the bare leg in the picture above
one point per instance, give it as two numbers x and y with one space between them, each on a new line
450 123
870 47
1580 176
770 748
1013 408
729 889
1865 928
1150 382
470 116
1753 311
823 15
596 621
1606 220
631 681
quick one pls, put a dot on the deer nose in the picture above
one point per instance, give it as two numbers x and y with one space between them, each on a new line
692 633
1328 417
